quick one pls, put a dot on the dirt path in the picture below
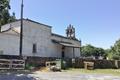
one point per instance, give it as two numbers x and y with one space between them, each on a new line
56 76
72 76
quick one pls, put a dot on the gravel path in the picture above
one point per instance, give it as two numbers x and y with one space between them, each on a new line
72 76
57 76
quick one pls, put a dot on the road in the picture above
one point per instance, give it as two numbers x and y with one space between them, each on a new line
56 76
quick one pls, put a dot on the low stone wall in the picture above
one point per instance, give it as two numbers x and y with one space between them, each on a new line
39 61
78 63
102 64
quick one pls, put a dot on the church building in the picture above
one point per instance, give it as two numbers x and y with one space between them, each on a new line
38 40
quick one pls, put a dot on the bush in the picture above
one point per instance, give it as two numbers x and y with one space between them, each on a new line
30 66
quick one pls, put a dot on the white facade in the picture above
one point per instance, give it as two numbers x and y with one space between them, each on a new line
38 34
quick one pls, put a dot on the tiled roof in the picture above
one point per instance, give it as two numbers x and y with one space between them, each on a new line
53 34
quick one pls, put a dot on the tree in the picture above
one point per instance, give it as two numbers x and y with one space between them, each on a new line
90 50
99 52
114 52
5 16
107 52
87 50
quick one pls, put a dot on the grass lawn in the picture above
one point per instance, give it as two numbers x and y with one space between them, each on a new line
96 71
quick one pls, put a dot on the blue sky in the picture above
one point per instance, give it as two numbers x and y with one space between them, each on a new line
97 22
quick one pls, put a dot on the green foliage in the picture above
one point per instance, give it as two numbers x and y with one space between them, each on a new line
5 16
90 50
87 50
30 66
114 52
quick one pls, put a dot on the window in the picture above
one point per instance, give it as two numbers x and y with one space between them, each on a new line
63 54
63 51
34 48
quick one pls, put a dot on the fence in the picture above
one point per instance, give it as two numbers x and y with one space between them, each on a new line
12 64
8 61
102 64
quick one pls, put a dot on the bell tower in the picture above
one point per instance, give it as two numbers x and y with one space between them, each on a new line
70 32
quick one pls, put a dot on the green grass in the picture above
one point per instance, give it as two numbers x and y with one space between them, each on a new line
96 71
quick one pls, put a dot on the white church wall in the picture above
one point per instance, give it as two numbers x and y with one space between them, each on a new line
32 33
68 50
38 34
35 33
9 44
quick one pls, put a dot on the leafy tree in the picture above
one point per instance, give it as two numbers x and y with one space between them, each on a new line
99 52
114 52
5 16
90 50
87 50
107 52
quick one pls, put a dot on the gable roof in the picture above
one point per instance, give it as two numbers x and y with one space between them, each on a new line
19 20
30 21
67 44
37 22
53 34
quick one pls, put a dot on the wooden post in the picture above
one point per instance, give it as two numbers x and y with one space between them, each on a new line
21 30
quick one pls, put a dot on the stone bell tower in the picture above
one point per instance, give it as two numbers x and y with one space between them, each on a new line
70 32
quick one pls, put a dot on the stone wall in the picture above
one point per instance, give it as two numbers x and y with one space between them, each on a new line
78 63
34 33
100 64
68 50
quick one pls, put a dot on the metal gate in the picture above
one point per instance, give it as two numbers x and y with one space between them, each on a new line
12 64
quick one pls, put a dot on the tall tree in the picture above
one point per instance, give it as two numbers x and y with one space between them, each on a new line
5 16
90 50
87 50
114 52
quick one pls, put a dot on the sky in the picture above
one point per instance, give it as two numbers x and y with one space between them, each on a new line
97 22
